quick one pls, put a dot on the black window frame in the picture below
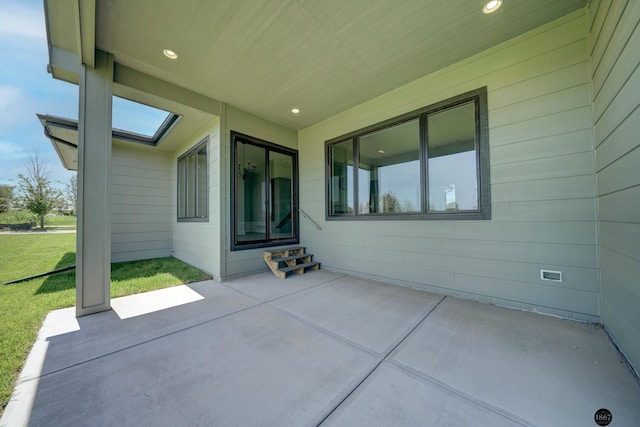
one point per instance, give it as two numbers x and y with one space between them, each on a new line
204 142
479 97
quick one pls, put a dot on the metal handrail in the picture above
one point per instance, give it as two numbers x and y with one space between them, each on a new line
310 219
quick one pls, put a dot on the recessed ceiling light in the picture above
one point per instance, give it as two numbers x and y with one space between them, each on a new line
491 6
295 110
171 54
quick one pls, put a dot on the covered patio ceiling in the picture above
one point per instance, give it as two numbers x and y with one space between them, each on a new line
267 57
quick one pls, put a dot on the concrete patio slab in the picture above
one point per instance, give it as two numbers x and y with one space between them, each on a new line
106 332
371 314
542 369
266 286
324 348
392 396
255 367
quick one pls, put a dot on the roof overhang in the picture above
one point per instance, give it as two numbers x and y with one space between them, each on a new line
74 43
63 134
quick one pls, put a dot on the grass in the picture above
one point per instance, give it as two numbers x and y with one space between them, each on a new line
15 216
60 221
23 306
19 216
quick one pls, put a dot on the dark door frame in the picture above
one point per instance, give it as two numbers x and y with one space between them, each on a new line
295 224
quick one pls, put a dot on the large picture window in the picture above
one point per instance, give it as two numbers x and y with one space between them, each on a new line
193 184
429 164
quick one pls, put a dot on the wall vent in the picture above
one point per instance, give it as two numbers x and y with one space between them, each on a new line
554 276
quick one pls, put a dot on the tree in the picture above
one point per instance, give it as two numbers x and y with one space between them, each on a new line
35 192
390 203
71 189
6 195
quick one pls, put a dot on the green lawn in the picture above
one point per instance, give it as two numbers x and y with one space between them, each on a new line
66 221
55 221
15 216
23 306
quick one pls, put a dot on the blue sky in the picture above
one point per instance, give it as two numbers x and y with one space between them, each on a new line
26 89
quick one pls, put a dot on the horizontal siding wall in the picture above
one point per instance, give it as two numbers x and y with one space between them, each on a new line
542 183
140 218
198 243
238 263
615 50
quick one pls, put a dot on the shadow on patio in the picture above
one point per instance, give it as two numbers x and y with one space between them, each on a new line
320 348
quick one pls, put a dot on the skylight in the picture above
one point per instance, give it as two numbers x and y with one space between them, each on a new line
135 120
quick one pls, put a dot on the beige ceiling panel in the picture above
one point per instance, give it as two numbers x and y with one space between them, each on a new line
267 56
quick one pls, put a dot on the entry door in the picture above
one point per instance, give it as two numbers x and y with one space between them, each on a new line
264 194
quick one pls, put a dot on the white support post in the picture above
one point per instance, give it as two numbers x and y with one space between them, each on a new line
93 249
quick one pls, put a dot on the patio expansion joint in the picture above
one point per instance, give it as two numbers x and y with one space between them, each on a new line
420 376
330 334
233 288
159 337
380 362
447 388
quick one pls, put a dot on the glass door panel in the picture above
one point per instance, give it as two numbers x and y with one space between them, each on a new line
281 210
251 193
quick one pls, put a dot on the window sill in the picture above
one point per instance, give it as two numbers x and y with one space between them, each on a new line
193 220
412 217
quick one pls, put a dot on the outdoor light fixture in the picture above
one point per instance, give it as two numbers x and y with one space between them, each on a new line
491 6
170 53
295 110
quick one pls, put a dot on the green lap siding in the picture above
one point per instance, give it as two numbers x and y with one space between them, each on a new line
542 183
